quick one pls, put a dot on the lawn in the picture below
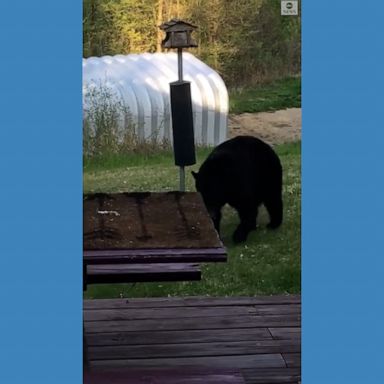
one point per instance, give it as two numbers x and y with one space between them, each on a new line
280 94
268 263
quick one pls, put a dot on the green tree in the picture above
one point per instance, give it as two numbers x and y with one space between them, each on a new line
246 41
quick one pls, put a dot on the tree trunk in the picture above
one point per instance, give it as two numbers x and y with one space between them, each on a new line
159 21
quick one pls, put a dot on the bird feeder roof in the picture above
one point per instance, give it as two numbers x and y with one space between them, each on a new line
176 25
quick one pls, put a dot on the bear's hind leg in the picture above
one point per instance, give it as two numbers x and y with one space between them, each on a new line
274 207
248 216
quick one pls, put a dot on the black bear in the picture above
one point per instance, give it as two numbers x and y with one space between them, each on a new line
244 172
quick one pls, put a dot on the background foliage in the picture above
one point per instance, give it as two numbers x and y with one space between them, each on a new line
246 41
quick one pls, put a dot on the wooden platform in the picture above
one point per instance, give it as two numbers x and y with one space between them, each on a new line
258 338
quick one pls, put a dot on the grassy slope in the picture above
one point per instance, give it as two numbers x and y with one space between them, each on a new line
268 264
280 94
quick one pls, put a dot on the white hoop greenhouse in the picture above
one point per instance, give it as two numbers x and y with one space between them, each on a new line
141 82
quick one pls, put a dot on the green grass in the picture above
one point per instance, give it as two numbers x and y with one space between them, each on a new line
269 263
280 94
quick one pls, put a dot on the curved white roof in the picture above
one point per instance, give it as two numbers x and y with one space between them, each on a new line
142 81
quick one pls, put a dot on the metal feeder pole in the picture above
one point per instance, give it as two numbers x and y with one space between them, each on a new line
180 70
180 62
178 35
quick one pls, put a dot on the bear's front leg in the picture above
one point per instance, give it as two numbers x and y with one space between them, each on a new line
216 218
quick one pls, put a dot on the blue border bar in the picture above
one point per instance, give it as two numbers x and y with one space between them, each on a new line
41 192
343 199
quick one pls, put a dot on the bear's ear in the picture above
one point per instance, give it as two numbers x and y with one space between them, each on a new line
195 175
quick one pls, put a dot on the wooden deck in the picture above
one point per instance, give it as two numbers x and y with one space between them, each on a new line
257 338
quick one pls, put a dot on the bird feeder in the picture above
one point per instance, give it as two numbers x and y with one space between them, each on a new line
178 35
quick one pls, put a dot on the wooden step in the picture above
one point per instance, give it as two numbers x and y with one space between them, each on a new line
132 273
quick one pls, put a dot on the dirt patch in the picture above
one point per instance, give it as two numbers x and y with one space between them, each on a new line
277 127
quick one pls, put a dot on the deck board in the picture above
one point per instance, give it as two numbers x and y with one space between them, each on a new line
164 376
198 301
183 336
193 349
161 313
256 336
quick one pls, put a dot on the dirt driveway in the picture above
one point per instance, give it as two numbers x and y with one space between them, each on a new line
277 127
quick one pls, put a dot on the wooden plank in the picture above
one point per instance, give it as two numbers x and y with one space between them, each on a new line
174 337
161 376
179 312
293 360
166 313
213 362
277 309
166 302
193 350
245 321
128 273
179 376
286 333
134 256
272 376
